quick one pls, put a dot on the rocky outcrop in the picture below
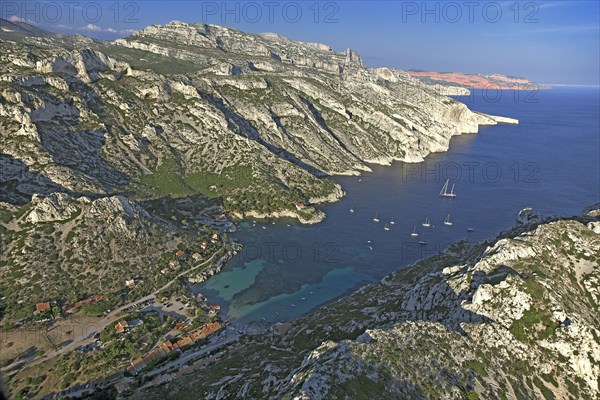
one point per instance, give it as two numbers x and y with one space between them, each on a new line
55 207
87 65
528 216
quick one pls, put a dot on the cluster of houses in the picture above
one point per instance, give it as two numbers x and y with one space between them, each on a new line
169 346
182 254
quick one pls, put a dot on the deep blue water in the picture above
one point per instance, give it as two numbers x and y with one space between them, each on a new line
550 161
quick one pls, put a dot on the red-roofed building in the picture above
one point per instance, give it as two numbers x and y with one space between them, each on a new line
39 307
121 326
179 252
166 346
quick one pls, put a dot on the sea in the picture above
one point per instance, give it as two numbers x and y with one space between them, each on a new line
550 162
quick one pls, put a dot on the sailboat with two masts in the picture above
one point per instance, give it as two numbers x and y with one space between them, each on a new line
427 223
444 192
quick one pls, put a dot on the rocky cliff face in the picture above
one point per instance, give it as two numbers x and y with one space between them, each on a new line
185 109
514 318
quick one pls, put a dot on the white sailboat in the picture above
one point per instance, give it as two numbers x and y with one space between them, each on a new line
414 232
422 242
392 222
427 223
351 209
376 218
444 192
447 221
386 227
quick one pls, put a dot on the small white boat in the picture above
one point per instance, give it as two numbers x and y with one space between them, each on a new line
427 223
264 227
444 192
376 218
414 232
304 298
422 243
351 209
470 230
447 221
392 222
370 248
386 227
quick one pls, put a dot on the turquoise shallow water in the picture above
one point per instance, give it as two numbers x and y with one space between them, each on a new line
227 284
550 161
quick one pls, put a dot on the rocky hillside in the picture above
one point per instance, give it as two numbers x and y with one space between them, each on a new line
256 121
513 318
62 249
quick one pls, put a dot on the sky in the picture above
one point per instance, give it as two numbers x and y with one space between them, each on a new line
550 42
